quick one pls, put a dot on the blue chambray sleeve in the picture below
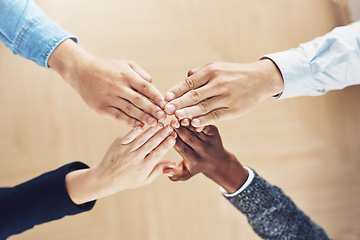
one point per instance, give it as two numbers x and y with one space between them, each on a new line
326 63
28 32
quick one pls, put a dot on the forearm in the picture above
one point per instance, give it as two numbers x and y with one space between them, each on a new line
274 215
271 81
88 184
27 31
326 63
69 60
229 173
37 201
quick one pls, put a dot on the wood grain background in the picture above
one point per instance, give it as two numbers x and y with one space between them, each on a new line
309 146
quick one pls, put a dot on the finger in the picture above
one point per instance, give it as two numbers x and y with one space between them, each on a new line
151 145
191 98
142 73
183 149
209 118
130 136
180 173
159 152
190 138
211 130
175 123
148 90
143 103
199 129
194 70
145 136
194 81
185 122
200 108
158 169
131 110
118 114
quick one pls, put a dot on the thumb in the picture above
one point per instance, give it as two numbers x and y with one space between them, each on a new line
180 173
158 169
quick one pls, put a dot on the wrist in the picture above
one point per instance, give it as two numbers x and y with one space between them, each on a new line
69 60
271 78
229 174
86 185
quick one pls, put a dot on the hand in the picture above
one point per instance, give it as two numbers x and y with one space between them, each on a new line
220 91
131 161
204 152
114 88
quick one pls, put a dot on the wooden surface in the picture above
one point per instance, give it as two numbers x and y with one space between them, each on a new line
307 146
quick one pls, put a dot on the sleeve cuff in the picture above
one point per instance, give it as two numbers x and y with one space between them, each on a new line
39 38
296 72
243 187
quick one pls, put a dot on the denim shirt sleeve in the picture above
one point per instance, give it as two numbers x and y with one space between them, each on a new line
28 32
326 63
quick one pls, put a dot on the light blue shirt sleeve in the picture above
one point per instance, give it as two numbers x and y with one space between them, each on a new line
28 32
326 63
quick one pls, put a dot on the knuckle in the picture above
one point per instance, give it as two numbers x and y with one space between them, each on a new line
144 87
130 62
220 83
128 107
119 115
195 95
190 82
137 99
204 106
191 139
216 115
183 150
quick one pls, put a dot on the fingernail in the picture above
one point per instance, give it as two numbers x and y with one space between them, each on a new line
138 129
170 141
169 96
160 115
169 174
162 104
195 122
170 108
151 121
169 129
180 114
174 123
185 122
138 123
160 125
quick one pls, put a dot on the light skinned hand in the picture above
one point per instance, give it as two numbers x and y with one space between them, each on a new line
131 161
222 90
114 88
204 152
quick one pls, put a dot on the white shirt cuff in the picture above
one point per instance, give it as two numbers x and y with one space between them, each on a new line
242 188
296 72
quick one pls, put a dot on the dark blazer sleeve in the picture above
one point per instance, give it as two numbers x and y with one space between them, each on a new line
37 201
273 215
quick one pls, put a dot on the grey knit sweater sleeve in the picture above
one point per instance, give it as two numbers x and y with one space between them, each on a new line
272 214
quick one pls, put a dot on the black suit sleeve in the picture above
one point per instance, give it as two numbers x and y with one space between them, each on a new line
37 201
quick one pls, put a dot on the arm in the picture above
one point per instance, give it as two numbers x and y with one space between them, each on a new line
132 161
28 32
220 91
37 201
329 62
115 89
271 213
